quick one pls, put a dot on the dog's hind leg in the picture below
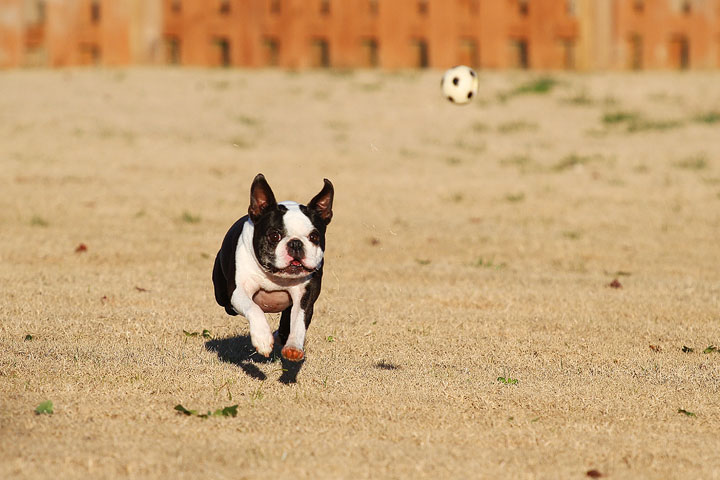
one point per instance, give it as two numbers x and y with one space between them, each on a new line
223 286
283 331
220 283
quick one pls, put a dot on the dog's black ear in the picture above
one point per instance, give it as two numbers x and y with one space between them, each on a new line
322 202
261 197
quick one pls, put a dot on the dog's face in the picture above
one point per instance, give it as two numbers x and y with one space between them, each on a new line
289 239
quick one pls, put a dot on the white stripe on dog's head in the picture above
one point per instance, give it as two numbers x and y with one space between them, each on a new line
297 227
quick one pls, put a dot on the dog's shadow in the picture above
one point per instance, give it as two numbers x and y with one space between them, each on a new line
239 351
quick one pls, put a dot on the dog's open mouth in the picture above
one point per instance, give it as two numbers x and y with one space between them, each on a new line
296 267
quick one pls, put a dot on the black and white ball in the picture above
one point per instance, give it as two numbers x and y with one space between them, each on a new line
460 84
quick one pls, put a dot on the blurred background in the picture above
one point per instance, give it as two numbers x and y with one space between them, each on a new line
583 35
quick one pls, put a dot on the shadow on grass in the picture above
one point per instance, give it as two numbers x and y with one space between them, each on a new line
239 351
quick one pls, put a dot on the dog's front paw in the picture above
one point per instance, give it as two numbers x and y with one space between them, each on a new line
292 353
263 345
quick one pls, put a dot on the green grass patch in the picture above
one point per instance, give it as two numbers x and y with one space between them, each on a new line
257 394
457 197
508 380
633 122
204 334
372 86
580 99
710 118
113 133
248 121
644 125
515 197
517 126
694 162
38 221
476 148
614 118
489 263
230 411
609 101
572 234
188 217
538 86
45 408
337 125
571 161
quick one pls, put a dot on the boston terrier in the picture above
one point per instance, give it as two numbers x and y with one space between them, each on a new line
271 260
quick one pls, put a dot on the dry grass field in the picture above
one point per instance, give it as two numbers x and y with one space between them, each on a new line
467 327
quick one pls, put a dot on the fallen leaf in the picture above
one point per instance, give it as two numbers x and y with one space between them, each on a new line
374 241
710 349
593 473
81 248
28 337
141 289
655 348
687 349
685 412
615 284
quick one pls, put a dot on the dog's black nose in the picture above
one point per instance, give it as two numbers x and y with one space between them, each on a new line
295 248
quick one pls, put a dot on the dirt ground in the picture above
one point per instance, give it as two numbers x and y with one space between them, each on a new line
467 327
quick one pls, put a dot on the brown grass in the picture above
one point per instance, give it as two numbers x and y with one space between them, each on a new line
437 283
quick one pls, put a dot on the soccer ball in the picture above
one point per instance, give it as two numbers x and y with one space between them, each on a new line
459 84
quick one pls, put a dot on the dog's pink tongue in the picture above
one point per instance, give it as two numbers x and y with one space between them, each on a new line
296 263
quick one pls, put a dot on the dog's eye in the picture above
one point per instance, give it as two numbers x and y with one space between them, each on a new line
314 237
274 236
